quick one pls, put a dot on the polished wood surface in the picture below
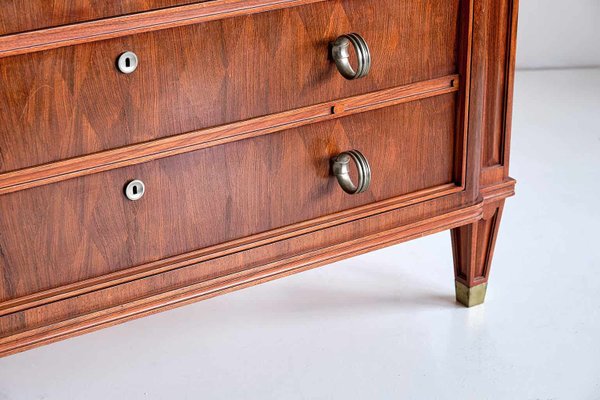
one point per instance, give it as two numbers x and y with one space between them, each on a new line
97 30
27 15
204 138
211 196
210 74
473 246
494 52
493 67
199 278
231 120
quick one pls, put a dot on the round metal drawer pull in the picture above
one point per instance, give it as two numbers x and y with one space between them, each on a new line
135 190
127 62
341 170
341 55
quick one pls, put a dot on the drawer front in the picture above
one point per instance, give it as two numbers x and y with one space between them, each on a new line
73 101
27 15
86 227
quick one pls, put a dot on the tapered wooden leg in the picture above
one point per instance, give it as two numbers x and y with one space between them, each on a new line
473 247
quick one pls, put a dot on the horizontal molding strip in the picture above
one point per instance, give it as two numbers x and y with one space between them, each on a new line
260 274
114 27
221 250
499 191
30 177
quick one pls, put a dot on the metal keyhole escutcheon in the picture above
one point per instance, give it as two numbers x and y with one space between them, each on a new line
135 190
127 62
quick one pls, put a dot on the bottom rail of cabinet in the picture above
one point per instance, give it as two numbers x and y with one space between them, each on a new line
56 320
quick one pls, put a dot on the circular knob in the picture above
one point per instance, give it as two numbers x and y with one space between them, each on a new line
341 55
135 190
341 170
127 62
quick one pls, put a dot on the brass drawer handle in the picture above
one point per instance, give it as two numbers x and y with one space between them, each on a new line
341 170
341 56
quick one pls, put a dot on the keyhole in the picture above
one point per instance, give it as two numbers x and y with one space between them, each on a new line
135 190
127 62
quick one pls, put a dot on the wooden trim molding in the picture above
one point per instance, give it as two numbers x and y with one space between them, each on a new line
473 246
511 63
499 191
183 260
259 274
92 31
143 152
249 277
495 44
464 71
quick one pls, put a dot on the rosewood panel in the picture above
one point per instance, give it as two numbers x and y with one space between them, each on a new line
494 46
231 120
473 246
72 101
201 277
204 138
85 227
26 15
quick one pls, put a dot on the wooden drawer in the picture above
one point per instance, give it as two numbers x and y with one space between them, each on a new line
231 121
85 227
72 101
26 15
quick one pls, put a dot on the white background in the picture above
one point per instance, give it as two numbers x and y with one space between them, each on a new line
559 33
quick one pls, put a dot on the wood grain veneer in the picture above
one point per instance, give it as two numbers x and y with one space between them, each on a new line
231 120
28 15
239 189
71 34
493 71
252 66
193 282
147 151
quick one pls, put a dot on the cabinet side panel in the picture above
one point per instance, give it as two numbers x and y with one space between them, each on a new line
493 75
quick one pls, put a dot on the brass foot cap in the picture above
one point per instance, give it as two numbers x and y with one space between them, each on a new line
470 296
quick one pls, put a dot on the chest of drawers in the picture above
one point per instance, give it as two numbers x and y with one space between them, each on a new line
156 153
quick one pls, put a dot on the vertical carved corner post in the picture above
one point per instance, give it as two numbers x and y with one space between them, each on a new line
473 248
490 114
